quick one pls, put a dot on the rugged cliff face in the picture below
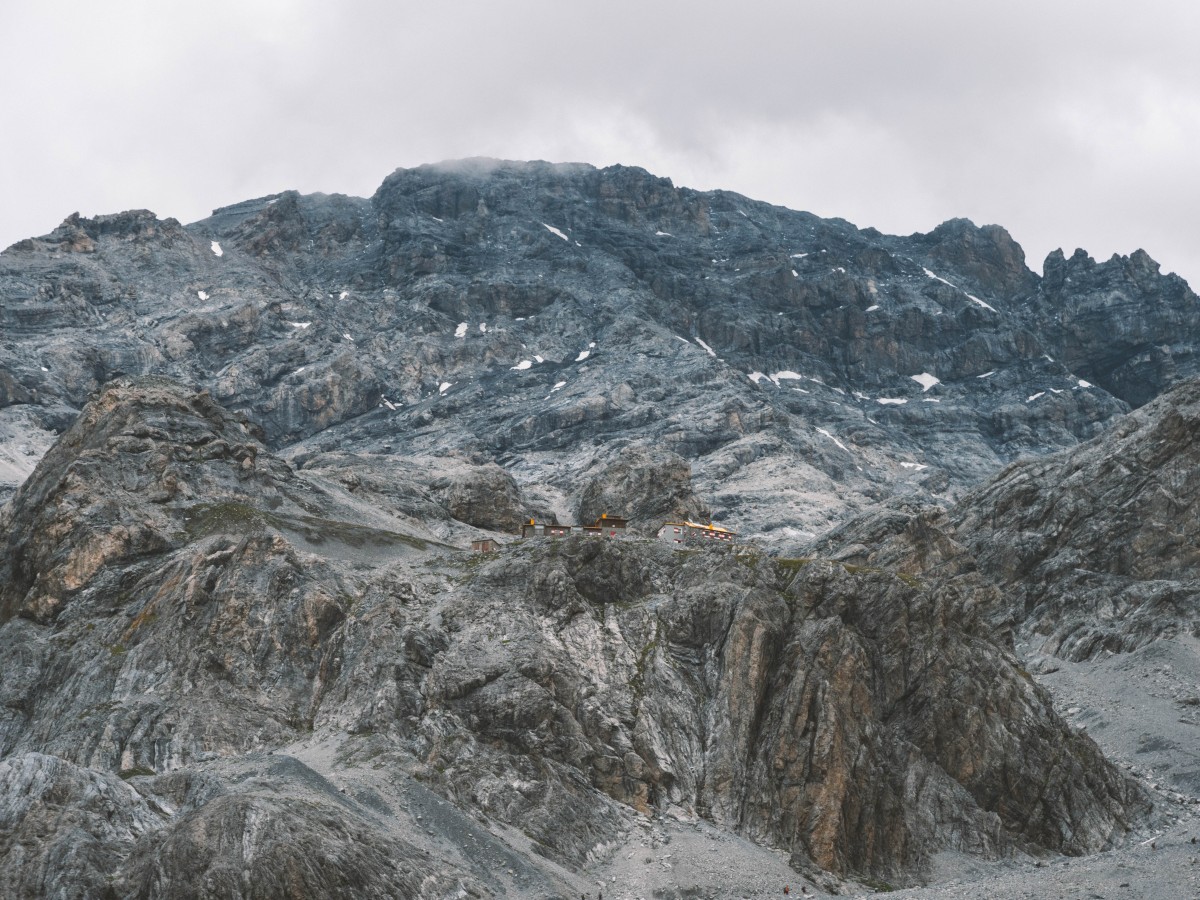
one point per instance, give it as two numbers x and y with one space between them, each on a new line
1100 544
243 654
181 608
1094 548
551 319
1093 316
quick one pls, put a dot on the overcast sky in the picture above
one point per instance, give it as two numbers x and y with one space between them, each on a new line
1073 124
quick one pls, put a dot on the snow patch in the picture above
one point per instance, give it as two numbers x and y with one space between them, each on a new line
710 350
592 345
299 324
970 297
1035 396
483 327
346 335
461 330
558 386
891 401
663 234
522 365
685 340
936 277
756 377
832 438
444 386
925 380
914 466
795 274
343 295
930 400
583 354
539 359
872 308
799 255
787 375
203 295
987 374
216 249
1084 384
553 230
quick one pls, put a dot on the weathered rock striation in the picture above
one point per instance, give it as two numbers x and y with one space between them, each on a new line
242 654
1094 548
549 319
181 610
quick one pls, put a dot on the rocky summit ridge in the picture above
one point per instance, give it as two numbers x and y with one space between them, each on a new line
244 652
553 319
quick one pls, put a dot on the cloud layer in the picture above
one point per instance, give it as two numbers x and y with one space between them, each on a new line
1070 124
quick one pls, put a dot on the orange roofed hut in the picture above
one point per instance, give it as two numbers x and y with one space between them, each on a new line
695 533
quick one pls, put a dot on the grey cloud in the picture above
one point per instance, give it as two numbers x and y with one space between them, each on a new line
1068 123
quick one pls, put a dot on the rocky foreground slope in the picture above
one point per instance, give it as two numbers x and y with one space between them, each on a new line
181 610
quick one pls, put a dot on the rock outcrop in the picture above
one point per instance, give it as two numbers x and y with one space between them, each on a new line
642 485
1095 322
1094 549
1101 545
185 612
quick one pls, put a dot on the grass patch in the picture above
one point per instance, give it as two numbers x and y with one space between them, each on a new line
317 530
207 519
750 558
788 566
638 682
126 774
475 560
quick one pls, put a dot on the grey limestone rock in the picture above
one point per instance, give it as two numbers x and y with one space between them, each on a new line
1094 549
244 652
178 636
645 486
534 314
